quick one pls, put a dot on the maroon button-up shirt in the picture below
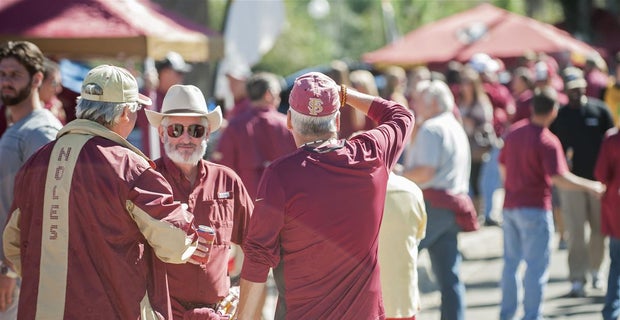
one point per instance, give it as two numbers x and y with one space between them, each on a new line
252 141
217 199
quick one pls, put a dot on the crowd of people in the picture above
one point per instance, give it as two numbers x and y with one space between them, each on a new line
329 202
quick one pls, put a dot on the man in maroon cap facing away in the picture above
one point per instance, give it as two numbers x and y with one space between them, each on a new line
318 210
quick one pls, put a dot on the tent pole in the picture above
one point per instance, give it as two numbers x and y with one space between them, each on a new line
216 66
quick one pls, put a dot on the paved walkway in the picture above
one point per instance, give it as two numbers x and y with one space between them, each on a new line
481 272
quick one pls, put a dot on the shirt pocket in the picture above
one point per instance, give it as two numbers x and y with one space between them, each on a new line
221 219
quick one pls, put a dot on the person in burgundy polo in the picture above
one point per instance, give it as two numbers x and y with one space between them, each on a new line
170 70
531 161
213 193
237 75
607 171
522 84
255 138
318 210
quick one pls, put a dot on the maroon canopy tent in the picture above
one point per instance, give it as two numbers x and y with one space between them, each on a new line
82 29
485 28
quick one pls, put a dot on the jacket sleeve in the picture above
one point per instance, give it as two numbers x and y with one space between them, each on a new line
163 222
395 126
11 241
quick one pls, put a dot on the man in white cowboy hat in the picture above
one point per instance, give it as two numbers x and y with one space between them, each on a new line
214 194
91 217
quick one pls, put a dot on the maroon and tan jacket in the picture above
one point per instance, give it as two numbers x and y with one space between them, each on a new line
89 219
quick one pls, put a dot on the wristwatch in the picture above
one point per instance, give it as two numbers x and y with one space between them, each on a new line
7 272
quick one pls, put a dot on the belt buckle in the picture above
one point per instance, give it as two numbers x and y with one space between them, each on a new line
198 305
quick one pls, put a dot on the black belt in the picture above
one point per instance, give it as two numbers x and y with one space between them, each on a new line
198 305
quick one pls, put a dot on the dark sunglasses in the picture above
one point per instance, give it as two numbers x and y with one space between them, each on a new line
194 130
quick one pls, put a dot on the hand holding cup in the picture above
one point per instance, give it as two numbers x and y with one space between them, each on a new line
206 237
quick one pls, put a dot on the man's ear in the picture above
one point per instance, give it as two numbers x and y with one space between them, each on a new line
288 120
37 79
161 132
125 115
338 122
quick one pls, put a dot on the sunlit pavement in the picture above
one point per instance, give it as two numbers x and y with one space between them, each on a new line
481 271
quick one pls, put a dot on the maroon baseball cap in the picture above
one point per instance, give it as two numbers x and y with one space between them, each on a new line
315 94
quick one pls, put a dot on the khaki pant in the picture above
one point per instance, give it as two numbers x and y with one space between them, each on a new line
579 207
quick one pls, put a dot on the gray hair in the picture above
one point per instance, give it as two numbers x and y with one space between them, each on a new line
49 67
313 126
103 112
438 91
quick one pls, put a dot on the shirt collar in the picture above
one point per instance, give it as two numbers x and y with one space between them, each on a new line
83 126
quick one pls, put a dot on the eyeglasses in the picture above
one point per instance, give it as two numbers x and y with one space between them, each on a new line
194 130
12 76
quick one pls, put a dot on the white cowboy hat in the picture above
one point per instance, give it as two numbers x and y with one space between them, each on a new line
185 101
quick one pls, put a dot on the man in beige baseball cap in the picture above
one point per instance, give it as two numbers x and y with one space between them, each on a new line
214 194
110 97
101 217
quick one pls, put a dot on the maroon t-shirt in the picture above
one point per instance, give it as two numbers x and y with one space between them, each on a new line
503 105
318 212
597 82
239 107
143 124
531 156
607 171
217 199
523 106
251 142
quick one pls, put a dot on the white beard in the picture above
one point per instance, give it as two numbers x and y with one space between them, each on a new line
179 157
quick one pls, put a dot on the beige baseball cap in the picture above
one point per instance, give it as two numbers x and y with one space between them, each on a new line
185 101
116 83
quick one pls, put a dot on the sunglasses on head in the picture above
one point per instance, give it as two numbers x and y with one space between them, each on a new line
194 130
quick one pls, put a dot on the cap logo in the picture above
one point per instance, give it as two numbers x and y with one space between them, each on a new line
93 89
315 106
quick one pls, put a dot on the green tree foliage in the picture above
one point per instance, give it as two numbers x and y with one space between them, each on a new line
354 27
